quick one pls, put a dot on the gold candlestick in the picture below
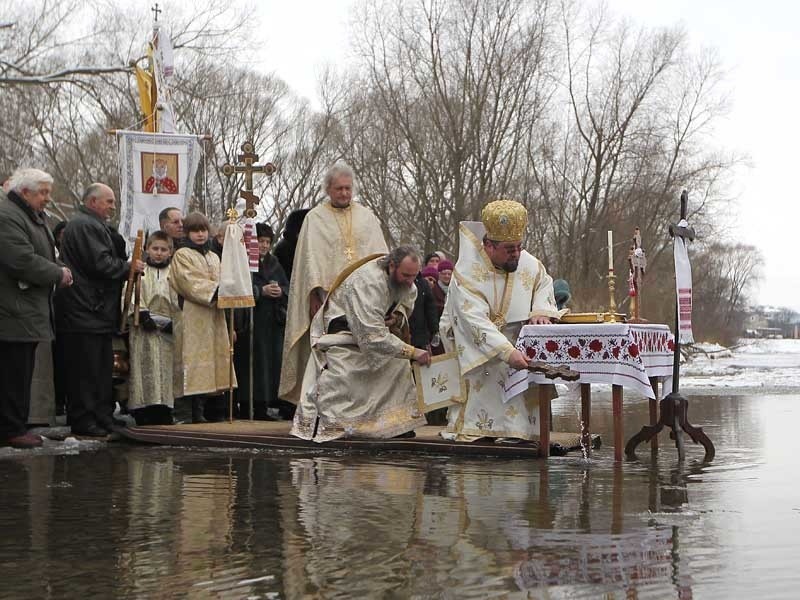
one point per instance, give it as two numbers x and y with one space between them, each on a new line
612 316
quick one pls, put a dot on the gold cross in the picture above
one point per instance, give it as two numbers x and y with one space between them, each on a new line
249 158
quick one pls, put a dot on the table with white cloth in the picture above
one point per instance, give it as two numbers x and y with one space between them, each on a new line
623 355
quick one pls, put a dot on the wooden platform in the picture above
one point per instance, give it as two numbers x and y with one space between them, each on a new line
275 435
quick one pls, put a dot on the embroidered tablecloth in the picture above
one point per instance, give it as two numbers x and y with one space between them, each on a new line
611 353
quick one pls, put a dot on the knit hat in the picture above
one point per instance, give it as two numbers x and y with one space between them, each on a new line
431 272
264 230
561 292
445 265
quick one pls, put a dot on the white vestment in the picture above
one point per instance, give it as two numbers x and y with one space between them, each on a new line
484 312
151 352
330 239
358 381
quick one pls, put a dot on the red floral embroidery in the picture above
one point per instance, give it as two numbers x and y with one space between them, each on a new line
615 351
595 345
633 350
574 351
671 345
551 346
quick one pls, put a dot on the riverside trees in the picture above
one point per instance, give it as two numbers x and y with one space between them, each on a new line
593 122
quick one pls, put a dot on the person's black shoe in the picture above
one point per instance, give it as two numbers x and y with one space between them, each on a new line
90 431
118 422
406 435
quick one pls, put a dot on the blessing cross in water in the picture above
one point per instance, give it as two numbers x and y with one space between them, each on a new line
248 157
156 11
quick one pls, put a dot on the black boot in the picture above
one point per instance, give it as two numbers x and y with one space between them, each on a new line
197 411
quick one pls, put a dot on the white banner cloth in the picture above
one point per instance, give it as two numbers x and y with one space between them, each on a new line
155 171
235 283
683 285
611 353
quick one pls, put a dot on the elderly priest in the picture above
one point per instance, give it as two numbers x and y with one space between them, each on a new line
497 287
358 381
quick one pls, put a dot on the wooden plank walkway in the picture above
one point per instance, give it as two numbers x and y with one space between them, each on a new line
275 435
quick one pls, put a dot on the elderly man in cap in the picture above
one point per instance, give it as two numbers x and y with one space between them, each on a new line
497 287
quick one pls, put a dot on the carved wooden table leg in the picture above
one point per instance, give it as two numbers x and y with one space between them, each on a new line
586 416
654 414
616 409
544 420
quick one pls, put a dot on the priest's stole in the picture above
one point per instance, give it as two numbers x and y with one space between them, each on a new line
439 384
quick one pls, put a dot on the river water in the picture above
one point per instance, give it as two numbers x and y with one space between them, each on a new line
119 521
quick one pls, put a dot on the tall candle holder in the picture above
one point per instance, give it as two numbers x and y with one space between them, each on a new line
611 315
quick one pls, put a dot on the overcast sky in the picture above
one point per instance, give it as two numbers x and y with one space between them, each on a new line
759 43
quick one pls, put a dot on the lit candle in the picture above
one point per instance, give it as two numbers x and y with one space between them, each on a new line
610 252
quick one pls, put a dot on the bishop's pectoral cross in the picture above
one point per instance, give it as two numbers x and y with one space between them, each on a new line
249 158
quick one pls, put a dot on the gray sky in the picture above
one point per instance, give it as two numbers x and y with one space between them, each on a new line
759 44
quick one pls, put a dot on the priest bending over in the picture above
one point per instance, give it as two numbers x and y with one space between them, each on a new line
358 380
497 287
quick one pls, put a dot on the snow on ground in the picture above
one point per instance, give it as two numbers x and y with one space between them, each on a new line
57 440
754 364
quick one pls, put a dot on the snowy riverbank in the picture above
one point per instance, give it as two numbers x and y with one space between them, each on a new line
753 365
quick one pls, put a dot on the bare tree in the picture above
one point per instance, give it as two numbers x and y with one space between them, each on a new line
446 93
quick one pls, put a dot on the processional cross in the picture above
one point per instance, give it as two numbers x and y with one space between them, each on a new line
156 11
637 262
674 408
249 158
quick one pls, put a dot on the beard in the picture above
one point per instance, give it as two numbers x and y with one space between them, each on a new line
397 287
160 172
510 265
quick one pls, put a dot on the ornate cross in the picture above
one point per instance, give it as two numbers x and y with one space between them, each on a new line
249 158
156 11
638 263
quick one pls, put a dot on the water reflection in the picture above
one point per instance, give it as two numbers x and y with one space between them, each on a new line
164 523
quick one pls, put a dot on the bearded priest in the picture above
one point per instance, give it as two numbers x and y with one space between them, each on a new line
335 234
497 287
358 381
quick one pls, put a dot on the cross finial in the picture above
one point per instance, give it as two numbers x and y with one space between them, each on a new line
248 157
156 11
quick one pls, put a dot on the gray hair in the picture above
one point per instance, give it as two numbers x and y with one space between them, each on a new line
28 179
338 169
91 192
397 255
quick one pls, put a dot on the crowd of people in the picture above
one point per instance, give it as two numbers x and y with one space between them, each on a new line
338 317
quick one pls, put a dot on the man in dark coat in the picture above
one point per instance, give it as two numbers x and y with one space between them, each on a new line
270 289
87 313
424 319
28 275
284 249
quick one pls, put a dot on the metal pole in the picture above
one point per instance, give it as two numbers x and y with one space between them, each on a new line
250 372
230 370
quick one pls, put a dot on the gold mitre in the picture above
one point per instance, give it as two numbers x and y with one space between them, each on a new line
505 220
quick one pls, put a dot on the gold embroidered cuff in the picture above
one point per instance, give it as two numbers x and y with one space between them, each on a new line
505 353
407 351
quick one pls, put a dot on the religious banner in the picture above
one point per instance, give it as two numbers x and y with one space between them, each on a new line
156 171
683 283
235 284
439 384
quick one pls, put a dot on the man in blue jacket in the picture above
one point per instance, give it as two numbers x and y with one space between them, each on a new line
28 276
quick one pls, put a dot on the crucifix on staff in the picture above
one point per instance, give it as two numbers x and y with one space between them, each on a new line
248 157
